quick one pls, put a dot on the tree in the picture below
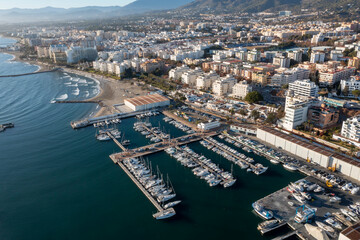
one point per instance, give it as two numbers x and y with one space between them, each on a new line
285 86
271 118
243 112
253 97
254 114
345 92
356 93
232 112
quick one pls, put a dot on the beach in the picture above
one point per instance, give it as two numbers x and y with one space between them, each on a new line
112 91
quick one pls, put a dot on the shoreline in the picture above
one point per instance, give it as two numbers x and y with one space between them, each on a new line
111 91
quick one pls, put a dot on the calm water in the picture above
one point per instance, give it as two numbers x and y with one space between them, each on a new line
57 183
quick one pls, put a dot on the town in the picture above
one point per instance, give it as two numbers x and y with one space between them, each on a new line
280 85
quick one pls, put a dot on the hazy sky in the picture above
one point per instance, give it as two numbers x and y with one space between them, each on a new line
6 4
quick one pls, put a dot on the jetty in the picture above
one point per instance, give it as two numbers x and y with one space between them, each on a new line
5 126
32 73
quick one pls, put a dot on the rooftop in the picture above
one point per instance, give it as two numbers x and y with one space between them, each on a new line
147 99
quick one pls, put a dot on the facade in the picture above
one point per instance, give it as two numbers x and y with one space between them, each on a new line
304 88
281 61
208 125
190 76
296 109
323 117
295 55
350 85
241 89
224 85
354 62
243 129
289 76
351 128
331 76
77 54
305 150
206 80
176 73
317 57
147 102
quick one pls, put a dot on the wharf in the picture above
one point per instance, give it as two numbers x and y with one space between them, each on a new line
264 231
230 153
5 126
157 147
285 236
116 142
32 73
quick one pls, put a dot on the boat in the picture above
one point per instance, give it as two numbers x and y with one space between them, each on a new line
329 230
266 214
304 216
229 183
171 204
333 223
268 224
164 198
316 232
274 161
328 184
164 214
299 197
103 137
290 167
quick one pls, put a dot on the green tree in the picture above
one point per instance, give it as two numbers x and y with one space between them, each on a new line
253 97
271 118
254 114
356 93
243 112
285 86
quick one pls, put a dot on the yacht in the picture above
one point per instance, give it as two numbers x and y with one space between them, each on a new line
299 197
164 214
274 161
267 214
333 223
329 230
103 137
229 183
171 204
290 167
303 216
164 198
259 169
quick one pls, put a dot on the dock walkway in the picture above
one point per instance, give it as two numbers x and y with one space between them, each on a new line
116 142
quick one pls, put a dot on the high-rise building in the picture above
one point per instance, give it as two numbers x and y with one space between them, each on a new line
304 88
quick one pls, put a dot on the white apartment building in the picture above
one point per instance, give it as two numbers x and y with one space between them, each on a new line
332 76
190 76
351 84
208 125
241 89
296 109
224 85
77 54
176 73
206 80
253 56
351 128
304 88
295 55
317 57
335 55
281 61
289 76
241 55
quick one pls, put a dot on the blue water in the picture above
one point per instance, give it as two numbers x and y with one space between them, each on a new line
59 183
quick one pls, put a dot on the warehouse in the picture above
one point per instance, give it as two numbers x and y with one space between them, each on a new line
147 102
302 148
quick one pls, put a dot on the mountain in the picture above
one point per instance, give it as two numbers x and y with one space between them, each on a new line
18 15
272 5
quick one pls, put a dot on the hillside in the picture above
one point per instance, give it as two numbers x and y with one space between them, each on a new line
272 5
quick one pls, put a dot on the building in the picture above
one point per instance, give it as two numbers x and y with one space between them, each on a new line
354 62
304 88
253 55
245 129
289 75
351 128
350 85
306 150
190 76
296 109
208 125
224 85
350 233
333 75
323 117
241 89
147 102
206 80
77 54
176 73
317 57
281 61
284 13
295 55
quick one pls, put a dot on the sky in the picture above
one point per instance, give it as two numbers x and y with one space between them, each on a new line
7 4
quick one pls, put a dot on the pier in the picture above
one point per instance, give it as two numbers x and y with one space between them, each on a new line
209 140
33 73
116 142
158 147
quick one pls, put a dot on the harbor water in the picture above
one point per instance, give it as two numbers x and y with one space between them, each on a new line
59 183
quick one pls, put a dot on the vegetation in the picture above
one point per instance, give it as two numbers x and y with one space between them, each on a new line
356 93
254 114
271 118
253 97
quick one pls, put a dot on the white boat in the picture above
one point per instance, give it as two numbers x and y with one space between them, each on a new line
303 216
229 183
274 161
333 223
266 214
102 137
290 167
164 198
214 182
76 92
171 204
268 224
299 197
329 230
316 232
164 214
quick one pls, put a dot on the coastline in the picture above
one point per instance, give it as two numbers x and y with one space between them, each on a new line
111 91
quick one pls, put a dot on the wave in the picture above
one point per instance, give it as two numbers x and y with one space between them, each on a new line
62 97
87 94
75 79
82 81
76 92
73 85
67 83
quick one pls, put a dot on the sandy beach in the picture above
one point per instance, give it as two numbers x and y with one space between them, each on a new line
112 91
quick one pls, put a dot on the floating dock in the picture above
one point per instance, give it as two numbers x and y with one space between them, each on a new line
5 126
143 190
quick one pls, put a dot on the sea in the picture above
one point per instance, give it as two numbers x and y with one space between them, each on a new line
59 183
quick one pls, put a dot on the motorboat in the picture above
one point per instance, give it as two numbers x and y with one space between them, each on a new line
304 216
274 161
171 204
266 214
333 223
329 230
290 167
103 137
268 224
229 183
